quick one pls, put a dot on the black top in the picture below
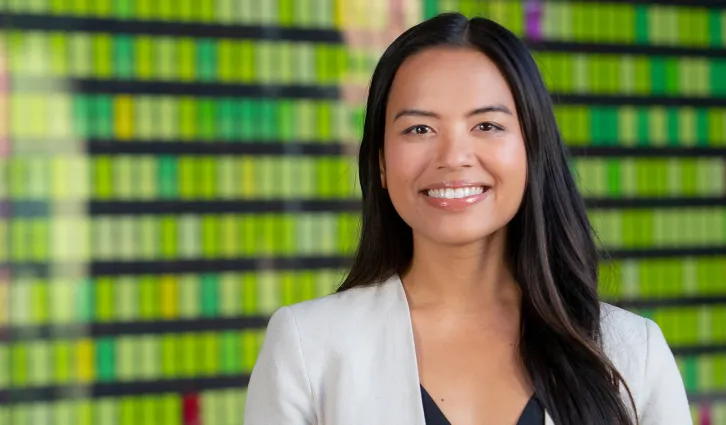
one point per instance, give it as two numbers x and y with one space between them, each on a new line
533 413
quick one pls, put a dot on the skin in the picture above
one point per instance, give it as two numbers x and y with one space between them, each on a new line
465 304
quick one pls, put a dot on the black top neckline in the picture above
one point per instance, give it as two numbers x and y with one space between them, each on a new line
532 414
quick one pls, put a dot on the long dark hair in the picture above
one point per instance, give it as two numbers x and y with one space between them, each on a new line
549 241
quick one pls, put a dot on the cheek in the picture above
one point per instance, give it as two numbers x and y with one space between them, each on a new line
511 163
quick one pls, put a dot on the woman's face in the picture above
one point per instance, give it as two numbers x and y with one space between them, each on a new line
454 161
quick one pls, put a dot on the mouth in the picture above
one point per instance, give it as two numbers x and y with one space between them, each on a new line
455 192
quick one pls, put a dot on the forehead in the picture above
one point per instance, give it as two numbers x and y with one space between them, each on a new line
447 80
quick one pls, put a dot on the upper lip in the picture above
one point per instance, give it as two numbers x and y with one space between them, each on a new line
455 184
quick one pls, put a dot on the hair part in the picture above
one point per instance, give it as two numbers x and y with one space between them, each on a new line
550 243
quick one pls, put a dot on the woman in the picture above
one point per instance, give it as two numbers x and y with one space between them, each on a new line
472 298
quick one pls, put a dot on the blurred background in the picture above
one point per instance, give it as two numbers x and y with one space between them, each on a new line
173 171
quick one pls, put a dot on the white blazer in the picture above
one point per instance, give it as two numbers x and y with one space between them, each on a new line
349 359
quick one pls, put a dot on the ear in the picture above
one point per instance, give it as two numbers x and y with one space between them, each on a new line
382 167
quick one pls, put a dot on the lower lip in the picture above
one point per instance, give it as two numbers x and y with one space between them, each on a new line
457 204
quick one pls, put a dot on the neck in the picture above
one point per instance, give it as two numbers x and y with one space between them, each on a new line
474 277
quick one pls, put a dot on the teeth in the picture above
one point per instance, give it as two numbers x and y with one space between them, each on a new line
461 192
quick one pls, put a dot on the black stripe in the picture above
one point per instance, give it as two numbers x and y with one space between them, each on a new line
339 205
222 207
136 267
198 147
114 268
624 49
99 330
699 350
640 203
331 148
651 100
690 3
701 251
614 151
97 86
165 28
120 389
682 301
708 398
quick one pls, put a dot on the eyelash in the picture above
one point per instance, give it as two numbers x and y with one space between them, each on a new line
494 127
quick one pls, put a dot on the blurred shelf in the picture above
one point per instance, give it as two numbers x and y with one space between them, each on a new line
624 49
615 151
200 147
207 89
141 327
643 202
21 21
119 389
660 302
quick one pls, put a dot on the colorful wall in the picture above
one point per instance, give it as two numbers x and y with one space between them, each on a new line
172 171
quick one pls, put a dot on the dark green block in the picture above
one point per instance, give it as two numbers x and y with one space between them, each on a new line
82 116
641 24
701 127
168 183
718 77
714 27
123 56
206 60
690 374
267 120
102 121
659 76
431 8
209 296
106 360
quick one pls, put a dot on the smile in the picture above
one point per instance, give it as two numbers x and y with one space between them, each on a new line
456 193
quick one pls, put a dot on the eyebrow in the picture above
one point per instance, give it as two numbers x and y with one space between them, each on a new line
477 111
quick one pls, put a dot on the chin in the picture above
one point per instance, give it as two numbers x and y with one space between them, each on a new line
460 236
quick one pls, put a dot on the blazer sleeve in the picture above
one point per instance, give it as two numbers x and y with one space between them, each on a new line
664 395
279 391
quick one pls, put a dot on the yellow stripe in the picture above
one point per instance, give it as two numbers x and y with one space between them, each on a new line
169 297
124 114
85 361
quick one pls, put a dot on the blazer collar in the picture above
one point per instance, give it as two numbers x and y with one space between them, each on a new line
407 371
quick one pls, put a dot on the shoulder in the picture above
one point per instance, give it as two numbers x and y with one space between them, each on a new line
639 351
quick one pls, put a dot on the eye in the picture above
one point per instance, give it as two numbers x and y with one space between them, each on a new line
417 129
488 127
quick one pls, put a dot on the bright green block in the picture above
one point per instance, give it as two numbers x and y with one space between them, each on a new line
19 364
689 175
641 24
230 361
286 120
718 77
613 178
672 123
659 76
102 118
206 119
690 374
123 9
61 362
82 116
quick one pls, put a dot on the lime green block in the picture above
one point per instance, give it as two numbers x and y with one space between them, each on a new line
229 288
717 126
210 236
209 354
686 127
19 361
248 230
62 361
250 294
719 371
250 349
170 359
268 284
168 230
689 174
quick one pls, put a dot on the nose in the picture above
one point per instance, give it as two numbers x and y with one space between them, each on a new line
455 152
